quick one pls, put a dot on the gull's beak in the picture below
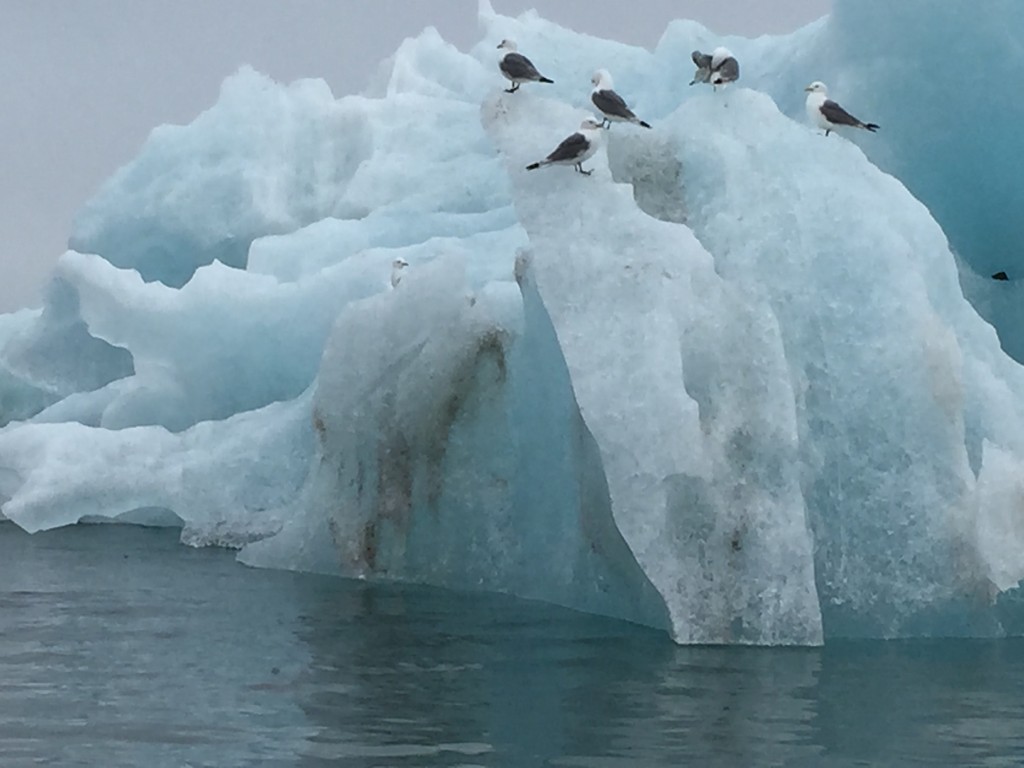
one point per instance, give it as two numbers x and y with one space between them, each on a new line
498 45
808 89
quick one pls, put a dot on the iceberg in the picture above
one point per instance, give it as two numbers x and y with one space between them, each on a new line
735 385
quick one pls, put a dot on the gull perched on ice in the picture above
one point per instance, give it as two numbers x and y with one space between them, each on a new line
517 68
718 67
575 149
396 271
612 106
703 62
826 114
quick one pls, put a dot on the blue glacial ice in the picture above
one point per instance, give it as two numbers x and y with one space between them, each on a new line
729 386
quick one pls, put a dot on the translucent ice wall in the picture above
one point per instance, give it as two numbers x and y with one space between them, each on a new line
729 385
452 451
944 83
942 80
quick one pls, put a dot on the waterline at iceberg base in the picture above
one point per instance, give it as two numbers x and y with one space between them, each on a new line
728 386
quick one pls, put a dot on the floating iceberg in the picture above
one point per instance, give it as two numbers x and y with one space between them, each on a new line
728 386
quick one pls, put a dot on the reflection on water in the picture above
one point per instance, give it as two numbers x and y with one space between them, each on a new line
119 647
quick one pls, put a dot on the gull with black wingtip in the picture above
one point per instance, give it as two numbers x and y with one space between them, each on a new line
517 68
612 106
827 114
575 149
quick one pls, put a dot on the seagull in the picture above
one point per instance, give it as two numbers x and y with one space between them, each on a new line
826 114
724 67
612 106
517 68
576 148
703 62
396 271
718 67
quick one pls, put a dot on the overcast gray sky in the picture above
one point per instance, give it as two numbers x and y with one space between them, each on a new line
84 81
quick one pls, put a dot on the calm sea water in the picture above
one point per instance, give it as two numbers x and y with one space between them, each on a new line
120 647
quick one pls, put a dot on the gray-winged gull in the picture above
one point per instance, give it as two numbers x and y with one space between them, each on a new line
517 68
703 62
826 114
575 149
724 67
396 271
612 106
717 68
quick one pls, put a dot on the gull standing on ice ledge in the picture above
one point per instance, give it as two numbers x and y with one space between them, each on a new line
612 106
718 68
396 271
517 68
703 62
826 114
724 67
575 149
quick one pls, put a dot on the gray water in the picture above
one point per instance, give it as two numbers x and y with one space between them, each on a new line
120 647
